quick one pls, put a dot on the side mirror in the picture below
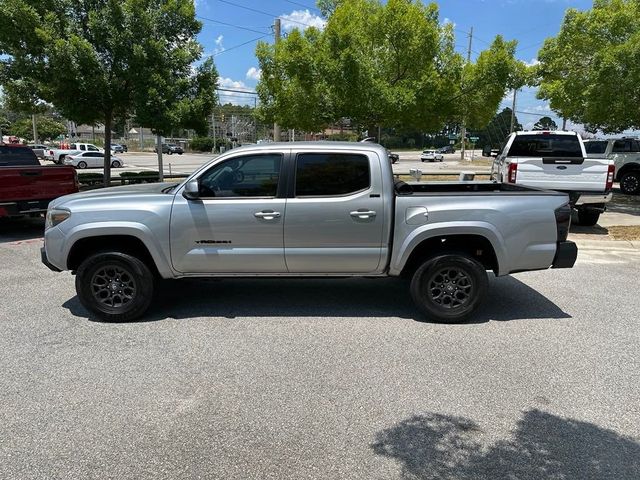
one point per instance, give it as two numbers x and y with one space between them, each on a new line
191 190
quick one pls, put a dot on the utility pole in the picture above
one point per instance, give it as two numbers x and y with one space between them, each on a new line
35 128
213 124
276 31
463 127
513 111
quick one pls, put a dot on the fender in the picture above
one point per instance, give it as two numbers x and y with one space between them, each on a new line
402 252
133 229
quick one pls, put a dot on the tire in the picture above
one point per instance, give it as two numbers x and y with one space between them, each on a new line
449 287
82 164
179 153
115 164
588 218
98 282
630 183
61 159
169 152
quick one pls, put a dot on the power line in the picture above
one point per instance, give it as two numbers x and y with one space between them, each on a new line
248 29
236 91
262 12
242 44
302 5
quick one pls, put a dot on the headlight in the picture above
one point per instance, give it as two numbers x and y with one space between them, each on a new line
56 216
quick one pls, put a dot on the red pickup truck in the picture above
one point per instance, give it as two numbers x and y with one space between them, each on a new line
26 187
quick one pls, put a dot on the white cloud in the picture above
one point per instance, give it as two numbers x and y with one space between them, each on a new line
235 98
301 19
542 108
219 48
448 20
254 73
532 63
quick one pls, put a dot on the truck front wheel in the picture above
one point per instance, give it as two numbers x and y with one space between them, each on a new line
114 286
449 287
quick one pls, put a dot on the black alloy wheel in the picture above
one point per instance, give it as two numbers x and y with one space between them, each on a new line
449 287
630 183
115 286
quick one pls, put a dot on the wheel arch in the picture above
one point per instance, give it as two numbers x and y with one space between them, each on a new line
124 240
476 245
626 168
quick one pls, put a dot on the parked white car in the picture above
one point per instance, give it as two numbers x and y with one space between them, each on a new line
57 155
431 156
91 160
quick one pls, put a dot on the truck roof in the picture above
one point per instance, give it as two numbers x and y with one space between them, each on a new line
546 132
316 144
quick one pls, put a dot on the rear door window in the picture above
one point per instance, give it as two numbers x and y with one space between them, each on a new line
626 146
331 174
17 156
595 147
545 146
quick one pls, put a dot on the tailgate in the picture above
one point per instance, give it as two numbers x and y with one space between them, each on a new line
561 173
36 183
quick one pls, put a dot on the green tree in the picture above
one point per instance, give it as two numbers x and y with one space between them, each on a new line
93 60
498 129
590 72
48 128
545 123
176 98
327 7
387 64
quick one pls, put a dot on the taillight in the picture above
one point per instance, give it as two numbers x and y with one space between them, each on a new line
563 222
512 173
610 174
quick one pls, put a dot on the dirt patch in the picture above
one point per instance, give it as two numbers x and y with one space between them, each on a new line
630 233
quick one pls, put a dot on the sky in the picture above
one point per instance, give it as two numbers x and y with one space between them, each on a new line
231 29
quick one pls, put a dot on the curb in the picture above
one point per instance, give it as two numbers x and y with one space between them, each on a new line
607 244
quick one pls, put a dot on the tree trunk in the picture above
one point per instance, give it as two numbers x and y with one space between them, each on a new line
160 166
107 149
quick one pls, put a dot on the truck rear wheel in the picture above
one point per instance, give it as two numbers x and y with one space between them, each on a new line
448 288
588 218
115 286
630 183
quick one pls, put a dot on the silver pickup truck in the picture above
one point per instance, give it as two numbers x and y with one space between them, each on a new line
304 209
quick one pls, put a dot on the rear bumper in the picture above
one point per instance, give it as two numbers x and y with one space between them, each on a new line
566 255
588 198
25 207
45 260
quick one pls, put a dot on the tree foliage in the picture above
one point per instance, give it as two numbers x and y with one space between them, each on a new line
48 128
498 129
96 60
545 123
391 64
590 72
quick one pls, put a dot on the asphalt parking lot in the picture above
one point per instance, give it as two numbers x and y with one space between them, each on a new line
293 379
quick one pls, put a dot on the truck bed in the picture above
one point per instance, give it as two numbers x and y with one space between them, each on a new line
438 188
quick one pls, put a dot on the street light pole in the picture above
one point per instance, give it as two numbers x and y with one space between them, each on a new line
463 126
276 30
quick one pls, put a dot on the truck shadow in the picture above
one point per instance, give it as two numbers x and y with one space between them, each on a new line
507 299
542 446
20 229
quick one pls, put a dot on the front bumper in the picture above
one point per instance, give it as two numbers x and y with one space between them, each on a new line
566 255
45 260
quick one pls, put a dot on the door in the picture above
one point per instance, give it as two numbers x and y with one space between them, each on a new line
236 225
335 216
93 159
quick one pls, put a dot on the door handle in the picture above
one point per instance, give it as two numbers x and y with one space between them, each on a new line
363 214
267 215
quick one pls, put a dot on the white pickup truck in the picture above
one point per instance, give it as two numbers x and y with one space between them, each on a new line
557 160
625 153
58 155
